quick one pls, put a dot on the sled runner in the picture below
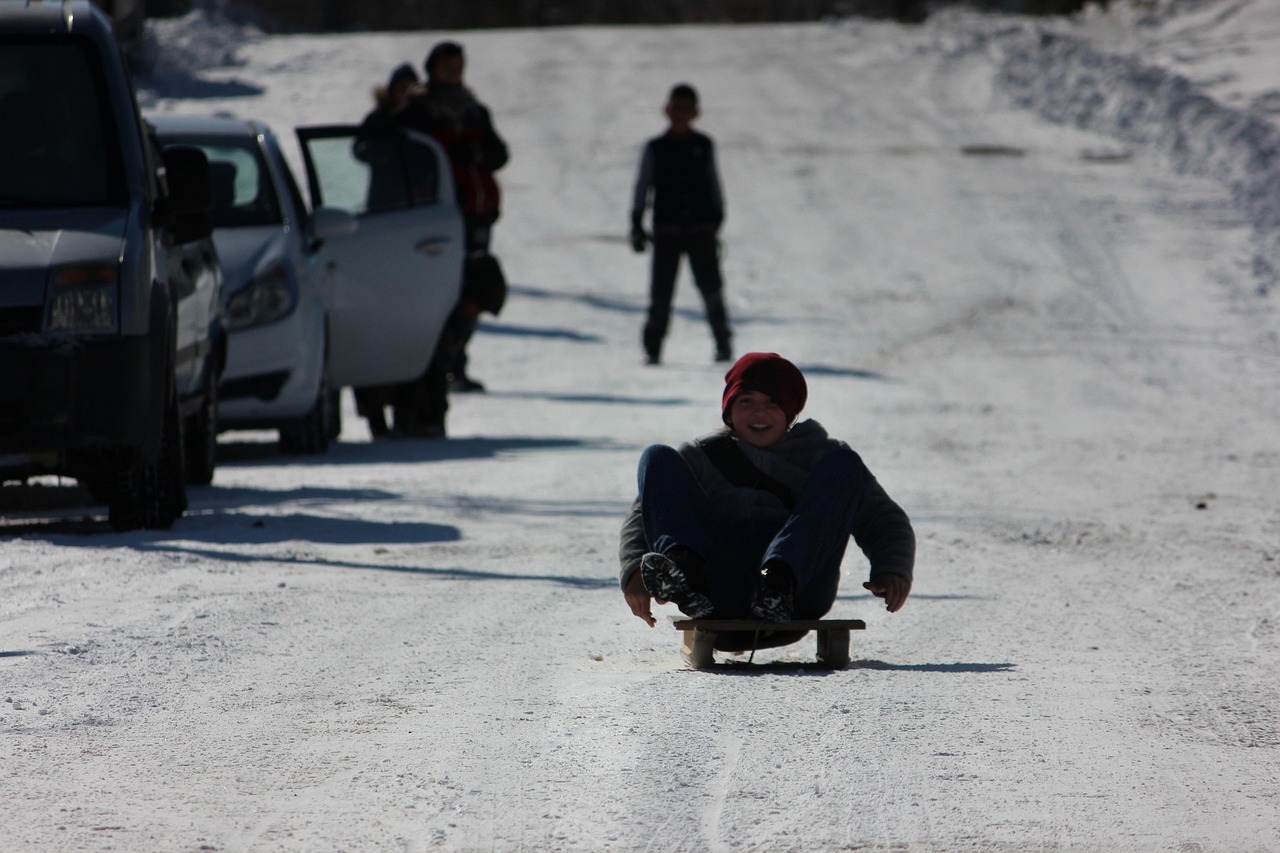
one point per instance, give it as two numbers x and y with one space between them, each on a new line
701 637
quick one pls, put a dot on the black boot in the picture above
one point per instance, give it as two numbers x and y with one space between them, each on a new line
677 576
775 598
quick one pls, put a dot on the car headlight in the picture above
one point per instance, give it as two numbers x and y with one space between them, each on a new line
83 299
272 294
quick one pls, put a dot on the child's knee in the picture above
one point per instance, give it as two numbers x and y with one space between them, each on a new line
659 454
660 462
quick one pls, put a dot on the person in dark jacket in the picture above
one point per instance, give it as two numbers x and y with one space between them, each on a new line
753 521
678 171
387 190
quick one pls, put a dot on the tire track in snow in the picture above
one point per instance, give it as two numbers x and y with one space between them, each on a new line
731 750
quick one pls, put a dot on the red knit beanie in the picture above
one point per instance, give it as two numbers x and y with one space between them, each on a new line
768 373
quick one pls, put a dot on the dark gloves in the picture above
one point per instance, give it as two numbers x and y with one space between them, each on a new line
639 239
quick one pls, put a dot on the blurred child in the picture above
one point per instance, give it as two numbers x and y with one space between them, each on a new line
678 169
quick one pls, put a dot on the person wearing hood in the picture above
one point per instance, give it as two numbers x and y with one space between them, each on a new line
388 190
752 521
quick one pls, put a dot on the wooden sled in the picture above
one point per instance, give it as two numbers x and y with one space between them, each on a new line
701 637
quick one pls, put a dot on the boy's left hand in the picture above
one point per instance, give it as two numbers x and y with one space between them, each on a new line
893 589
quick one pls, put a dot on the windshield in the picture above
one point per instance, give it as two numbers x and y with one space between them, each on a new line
243 194
58 143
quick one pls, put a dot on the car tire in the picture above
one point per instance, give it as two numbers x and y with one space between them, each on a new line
201 434
335 414
152 495
310 435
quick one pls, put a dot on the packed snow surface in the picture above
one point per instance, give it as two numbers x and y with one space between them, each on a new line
1028 268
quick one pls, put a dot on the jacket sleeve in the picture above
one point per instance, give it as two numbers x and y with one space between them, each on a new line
492 152
714 185
633 545
884 533
644 181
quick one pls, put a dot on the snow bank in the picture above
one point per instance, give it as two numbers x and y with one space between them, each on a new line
1069 80
208 37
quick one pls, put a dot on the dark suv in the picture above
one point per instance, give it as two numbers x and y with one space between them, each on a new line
110 316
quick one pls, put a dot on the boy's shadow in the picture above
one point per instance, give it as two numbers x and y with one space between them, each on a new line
931 667
783 667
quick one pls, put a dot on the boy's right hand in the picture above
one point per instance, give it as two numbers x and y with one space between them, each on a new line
638 599
639 239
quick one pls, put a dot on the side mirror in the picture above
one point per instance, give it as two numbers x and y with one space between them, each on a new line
187 172
190 227
329 222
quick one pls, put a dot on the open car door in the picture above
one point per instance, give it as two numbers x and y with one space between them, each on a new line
394 281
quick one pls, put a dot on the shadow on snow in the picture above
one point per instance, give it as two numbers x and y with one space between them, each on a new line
453 573
603 399
244 453
490 328
932 667
179 84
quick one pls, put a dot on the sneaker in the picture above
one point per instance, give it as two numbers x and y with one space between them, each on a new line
666 580
775 598
430 430
463 384
723 353
652 358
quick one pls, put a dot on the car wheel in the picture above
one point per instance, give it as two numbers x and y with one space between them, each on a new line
310 435
201 435
152 495
335 414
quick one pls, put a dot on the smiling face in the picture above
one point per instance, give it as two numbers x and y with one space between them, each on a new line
757 419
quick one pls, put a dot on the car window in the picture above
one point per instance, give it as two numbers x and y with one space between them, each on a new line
58 146
374 173
243 195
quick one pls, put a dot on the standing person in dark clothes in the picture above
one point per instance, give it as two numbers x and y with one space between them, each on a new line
753 521
678 170
448 111
387 188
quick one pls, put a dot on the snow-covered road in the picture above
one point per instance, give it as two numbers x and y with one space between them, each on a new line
1050 348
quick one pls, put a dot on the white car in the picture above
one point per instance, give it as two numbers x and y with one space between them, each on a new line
351 292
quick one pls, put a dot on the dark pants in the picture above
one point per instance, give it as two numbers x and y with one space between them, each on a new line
702 249
812 540
477 232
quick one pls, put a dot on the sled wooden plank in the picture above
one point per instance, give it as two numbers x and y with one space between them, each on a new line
698 637
686 624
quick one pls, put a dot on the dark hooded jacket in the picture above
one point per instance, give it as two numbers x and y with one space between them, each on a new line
462 125
880 528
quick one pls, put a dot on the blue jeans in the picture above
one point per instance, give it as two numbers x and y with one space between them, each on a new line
676 511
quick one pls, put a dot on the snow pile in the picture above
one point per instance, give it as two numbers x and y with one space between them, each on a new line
207 37
1071 78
